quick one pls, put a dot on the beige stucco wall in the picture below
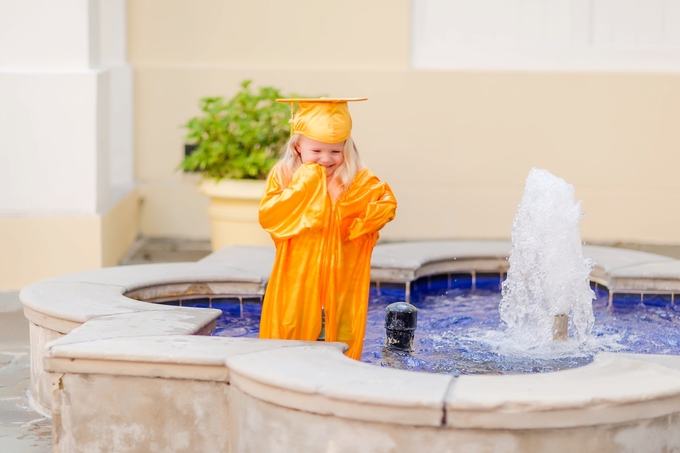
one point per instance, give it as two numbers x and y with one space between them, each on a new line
456 146
34 248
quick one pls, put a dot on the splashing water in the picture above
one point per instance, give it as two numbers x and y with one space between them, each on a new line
548 274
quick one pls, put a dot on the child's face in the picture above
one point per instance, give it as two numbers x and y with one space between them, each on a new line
327 154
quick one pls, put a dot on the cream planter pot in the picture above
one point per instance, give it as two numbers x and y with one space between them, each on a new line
233 212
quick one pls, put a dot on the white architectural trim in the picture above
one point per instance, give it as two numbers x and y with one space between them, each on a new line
546 35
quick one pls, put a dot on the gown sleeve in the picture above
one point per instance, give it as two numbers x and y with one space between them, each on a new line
287 211
380 210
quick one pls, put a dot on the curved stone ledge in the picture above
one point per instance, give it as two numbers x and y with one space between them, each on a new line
317 378
88 333
172 321
612 389
170 357
77 302
619 269
244 270
82 296
178 350
323 381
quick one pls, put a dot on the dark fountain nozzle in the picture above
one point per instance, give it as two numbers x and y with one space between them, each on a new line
400 325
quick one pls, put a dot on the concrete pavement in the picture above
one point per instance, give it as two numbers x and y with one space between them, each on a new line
22 430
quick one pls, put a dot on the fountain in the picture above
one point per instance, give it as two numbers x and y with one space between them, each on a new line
545 297
548 277
119 371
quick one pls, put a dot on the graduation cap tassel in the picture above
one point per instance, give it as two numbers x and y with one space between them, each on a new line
292 118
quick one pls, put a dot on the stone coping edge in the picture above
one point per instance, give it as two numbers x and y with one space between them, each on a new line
80 296
320 379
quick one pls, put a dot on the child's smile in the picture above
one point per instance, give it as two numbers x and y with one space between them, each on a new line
330 155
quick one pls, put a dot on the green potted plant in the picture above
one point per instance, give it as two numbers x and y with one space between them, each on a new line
235 144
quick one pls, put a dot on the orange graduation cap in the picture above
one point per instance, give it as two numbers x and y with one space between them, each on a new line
324 119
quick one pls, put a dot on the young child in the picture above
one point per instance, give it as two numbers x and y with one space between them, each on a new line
323 209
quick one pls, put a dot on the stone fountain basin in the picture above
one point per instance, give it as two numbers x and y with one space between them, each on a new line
120 374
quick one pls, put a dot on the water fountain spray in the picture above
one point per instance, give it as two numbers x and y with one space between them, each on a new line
547 295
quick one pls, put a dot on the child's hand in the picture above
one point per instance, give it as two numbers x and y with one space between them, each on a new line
309 176
288 211
313 165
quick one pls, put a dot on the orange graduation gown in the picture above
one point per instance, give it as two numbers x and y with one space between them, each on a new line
323 255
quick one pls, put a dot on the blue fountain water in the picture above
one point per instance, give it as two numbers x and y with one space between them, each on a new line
452 318
453 328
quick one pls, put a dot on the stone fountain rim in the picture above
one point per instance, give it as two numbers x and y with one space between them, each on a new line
118 335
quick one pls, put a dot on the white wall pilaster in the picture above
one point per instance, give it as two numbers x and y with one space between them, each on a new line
66 138
66 110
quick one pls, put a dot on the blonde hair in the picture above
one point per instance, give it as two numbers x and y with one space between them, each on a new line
343 176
